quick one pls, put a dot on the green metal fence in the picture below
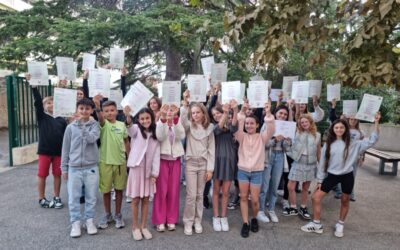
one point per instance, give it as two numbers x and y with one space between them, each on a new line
22 124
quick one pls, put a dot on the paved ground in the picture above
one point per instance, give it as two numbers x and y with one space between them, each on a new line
373 221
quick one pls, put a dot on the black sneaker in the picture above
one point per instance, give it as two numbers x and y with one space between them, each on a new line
254 225
245 230
206 202
304 213
290 211
233 204
44 203
56 203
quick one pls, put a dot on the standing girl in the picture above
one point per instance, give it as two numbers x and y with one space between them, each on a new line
339 155
170 133
251 163
225 161
305 152
144 164
200 153
273 169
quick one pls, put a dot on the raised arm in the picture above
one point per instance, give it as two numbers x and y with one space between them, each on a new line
92 134
332 111
124 72
318 114
99 112
270 121
373 138
184 110
85 84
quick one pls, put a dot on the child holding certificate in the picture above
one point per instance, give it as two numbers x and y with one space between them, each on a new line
305 152
51 132
170 133
339 155
200 160
251 156
144 164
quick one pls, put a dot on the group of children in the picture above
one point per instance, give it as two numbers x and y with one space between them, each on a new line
104 150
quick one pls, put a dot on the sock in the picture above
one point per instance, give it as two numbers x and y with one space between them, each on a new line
341 222
303 206
317 221
293 206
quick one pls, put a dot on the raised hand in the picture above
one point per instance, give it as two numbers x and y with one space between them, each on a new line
233 104
124 71
127 110
333 102
174 109
96 99
164 110
85 74
28 77
267 108
186 95
225 108
269 118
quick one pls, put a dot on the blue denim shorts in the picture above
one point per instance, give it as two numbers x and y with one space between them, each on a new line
254 178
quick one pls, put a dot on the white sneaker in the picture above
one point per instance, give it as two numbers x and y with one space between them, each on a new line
90 227
262 217
198 228
339 230
217 224
76 229
313 227
273 216
224 224
128 199
188 230
279 192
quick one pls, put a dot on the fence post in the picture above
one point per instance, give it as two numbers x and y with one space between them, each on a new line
12 116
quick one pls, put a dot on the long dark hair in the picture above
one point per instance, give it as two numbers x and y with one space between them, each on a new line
332 137
152 127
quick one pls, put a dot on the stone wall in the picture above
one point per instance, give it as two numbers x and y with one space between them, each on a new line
389 136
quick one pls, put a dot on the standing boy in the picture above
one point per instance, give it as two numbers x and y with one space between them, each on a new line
51 132
80 156
112 168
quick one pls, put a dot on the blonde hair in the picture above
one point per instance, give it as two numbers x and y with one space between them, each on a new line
313 127
47 99
206 118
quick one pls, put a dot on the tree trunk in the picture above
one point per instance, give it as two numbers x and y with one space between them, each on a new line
173 61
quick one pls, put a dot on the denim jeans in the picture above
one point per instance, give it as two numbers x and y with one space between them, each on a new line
77 178
271 177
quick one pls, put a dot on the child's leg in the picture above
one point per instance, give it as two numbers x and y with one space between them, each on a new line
118 201
105 185
56 170
255 194
266 177
135 213
244 206
91 182
159 214
43 172
144 211
215 198
344 206
347 182
292 192
191 188
226 185
304 193
316 203
201 182
75 182
107 202
119 182
172 209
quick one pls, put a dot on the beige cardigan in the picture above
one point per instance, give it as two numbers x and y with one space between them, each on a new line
176 149
200 142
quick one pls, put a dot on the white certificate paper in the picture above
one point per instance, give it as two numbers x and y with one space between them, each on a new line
219 72
315 88
285 128
116 96
333 92
39 73
300 91
230 91
350 107
171 92
64 102
287 85
274 95
258 93
197 85
66 68
117 57
370 104
99 82
206 64
137 97
89 61
242 93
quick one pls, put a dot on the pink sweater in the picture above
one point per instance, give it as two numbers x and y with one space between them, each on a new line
252 147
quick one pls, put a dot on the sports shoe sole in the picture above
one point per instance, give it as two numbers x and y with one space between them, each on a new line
318 231
304 217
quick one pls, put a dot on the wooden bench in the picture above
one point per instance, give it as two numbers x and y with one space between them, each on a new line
385 156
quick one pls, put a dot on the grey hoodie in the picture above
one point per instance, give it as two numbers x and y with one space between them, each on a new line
79 149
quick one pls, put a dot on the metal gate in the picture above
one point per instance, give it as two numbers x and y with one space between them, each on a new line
22 124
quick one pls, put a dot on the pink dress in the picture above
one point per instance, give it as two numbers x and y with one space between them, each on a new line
144 163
